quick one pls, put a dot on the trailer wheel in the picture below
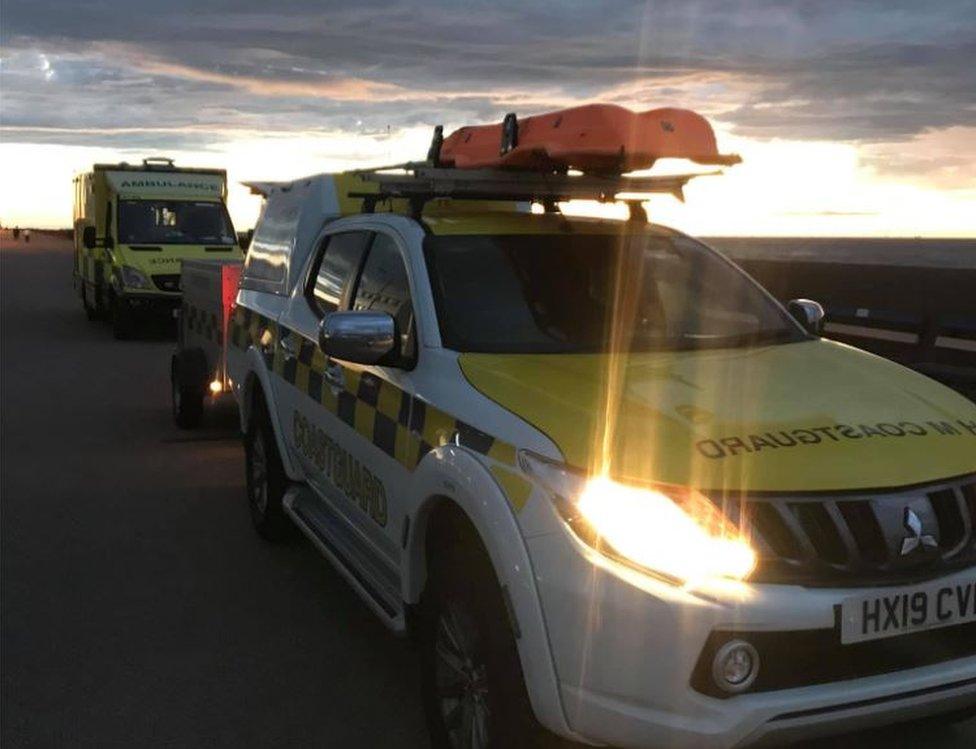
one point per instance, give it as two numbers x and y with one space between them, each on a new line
187 392
123 325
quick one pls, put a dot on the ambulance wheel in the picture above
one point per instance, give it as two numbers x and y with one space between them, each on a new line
123 325
91 310
266 479
187 396
473 689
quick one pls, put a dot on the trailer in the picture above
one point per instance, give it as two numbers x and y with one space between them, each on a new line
198 369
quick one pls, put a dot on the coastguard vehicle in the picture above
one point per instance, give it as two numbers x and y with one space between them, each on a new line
617 492
134 225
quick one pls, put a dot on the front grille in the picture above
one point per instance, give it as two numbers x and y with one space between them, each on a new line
816 656
167 281
860 539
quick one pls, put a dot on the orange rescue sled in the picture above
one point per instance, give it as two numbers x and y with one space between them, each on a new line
595 138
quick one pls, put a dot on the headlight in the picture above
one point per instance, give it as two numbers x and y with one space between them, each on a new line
133 278
674 531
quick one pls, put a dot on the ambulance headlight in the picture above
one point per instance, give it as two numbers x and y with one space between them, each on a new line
676 532
133 278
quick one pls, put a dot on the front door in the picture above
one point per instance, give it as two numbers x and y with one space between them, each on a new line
344 422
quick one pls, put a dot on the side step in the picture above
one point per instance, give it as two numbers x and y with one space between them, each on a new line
331 536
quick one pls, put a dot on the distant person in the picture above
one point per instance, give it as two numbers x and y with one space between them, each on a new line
16 232
27 235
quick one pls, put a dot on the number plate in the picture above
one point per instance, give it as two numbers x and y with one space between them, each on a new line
907 610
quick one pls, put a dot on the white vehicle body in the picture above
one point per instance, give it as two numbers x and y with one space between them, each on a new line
608 652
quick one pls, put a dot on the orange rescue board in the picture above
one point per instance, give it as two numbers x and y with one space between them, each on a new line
603 138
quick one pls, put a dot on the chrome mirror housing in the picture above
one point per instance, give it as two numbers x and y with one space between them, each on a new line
362 337
808 313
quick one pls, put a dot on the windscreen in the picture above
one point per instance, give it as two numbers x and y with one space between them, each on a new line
595 293
174 222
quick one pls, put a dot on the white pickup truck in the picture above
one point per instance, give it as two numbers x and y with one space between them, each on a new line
618 492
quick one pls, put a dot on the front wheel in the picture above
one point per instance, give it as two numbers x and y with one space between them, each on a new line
91 310
123 324
473 689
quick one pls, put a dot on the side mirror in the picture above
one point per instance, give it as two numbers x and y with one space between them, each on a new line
88 237
361 337
244 238
808 313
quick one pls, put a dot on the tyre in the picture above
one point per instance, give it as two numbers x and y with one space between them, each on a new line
123 324
187 397
91 309
266 479
473 690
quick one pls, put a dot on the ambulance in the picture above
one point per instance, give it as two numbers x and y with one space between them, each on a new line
618 493
134 225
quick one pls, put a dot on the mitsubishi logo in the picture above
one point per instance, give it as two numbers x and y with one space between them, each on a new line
916 539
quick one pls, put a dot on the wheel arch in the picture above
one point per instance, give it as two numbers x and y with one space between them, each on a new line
257 383
451 481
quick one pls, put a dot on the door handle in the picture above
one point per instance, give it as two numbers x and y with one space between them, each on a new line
288 349
335 375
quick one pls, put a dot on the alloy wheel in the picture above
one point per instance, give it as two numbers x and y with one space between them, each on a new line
259 473
461 678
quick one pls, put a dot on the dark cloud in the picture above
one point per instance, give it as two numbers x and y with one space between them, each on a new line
191 73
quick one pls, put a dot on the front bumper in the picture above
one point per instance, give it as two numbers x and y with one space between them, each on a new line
150 302
625 648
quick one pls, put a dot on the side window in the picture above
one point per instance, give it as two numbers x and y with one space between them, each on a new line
266 265
383 286
339 262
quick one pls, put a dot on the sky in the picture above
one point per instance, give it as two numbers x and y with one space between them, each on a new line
852 117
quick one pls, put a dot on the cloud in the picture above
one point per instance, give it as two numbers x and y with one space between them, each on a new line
197 73
337 88
834 214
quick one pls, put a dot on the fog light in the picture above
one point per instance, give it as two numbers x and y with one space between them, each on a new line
736 666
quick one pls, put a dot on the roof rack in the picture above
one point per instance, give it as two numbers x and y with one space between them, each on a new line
419 182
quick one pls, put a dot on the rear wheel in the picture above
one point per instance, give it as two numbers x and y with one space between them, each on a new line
266 479
473 688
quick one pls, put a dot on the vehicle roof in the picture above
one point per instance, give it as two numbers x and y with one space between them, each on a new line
330 196
126 167
483 222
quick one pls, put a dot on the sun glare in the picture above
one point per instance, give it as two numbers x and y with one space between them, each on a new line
782 188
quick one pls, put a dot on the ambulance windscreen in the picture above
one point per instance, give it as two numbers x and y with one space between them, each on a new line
593 293
174 222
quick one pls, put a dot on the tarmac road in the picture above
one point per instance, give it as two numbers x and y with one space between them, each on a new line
139 608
